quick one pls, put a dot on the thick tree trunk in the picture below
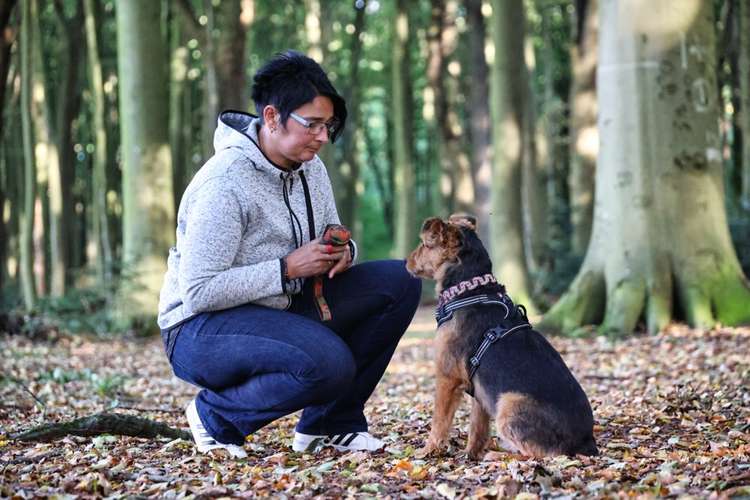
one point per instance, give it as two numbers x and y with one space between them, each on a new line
744 78
405 224
479 117
507 84
47 157
26 220
584 135
148 212
99 182
659 222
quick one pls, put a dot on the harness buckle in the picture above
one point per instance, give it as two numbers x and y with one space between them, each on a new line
474 361
491 335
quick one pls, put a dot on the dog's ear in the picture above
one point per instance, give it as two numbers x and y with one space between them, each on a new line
465 220
432 230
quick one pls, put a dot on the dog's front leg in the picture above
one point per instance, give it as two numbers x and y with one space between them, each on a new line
447 397
479 431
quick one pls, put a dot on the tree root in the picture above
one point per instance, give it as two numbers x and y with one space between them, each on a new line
103 423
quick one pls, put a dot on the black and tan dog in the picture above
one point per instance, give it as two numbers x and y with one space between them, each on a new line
486 346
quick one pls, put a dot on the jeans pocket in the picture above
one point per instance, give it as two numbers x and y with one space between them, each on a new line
169 338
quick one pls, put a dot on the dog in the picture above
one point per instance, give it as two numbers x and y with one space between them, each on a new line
486 346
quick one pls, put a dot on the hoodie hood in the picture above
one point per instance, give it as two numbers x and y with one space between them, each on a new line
237 129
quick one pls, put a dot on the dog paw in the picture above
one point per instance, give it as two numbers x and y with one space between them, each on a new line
475 454
427 450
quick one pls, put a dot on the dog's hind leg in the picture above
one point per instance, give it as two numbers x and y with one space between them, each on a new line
447 397
529 428
479 431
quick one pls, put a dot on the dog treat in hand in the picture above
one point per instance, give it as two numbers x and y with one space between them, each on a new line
335 234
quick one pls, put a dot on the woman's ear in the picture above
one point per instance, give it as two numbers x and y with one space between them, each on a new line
271 117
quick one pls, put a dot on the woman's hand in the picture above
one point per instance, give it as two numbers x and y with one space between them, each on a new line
315 258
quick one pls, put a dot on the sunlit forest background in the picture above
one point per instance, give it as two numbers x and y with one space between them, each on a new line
604 145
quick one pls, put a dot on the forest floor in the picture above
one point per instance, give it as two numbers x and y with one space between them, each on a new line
672 417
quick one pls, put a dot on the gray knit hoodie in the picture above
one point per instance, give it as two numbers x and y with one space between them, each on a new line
238 216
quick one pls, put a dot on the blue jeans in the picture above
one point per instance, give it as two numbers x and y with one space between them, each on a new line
256 364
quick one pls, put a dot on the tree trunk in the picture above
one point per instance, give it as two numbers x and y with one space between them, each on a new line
68 103
533 181
405 224
508 112
7 37
660 226
440 179
584 136
317 36
148 213
457 158
178 115
99 182
26 220
349 209
479 117
233 22
744 118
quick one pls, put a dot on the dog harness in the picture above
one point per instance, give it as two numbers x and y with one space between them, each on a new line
447 306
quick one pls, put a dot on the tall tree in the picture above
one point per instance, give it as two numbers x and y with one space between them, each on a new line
659 163
67 98
744 78
26 220
352 93
223 41
457 190
584 137
7 37
479 116
401 110
148 213
99 181
508 82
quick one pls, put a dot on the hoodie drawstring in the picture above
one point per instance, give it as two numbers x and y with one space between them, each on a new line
293 219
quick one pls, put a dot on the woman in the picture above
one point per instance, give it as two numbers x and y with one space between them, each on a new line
239 313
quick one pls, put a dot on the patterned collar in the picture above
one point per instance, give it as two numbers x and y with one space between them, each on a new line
465 286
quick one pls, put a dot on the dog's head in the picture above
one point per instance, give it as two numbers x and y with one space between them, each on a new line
440 246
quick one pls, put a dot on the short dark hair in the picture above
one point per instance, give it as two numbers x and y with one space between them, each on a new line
290 80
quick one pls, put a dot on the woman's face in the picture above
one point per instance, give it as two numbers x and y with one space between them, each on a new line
293 142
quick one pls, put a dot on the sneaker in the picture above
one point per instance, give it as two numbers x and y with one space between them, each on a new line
353 441
203 440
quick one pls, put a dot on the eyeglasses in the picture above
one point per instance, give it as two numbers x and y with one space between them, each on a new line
316 127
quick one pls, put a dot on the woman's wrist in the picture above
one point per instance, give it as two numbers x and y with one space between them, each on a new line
285 278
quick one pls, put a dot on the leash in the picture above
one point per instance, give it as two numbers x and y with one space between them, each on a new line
333 235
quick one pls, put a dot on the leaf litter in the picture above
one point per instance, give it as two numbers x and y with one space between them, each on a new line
672 418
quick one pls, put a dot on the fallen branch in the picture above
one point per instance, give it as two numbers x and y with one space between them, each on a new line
103 423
